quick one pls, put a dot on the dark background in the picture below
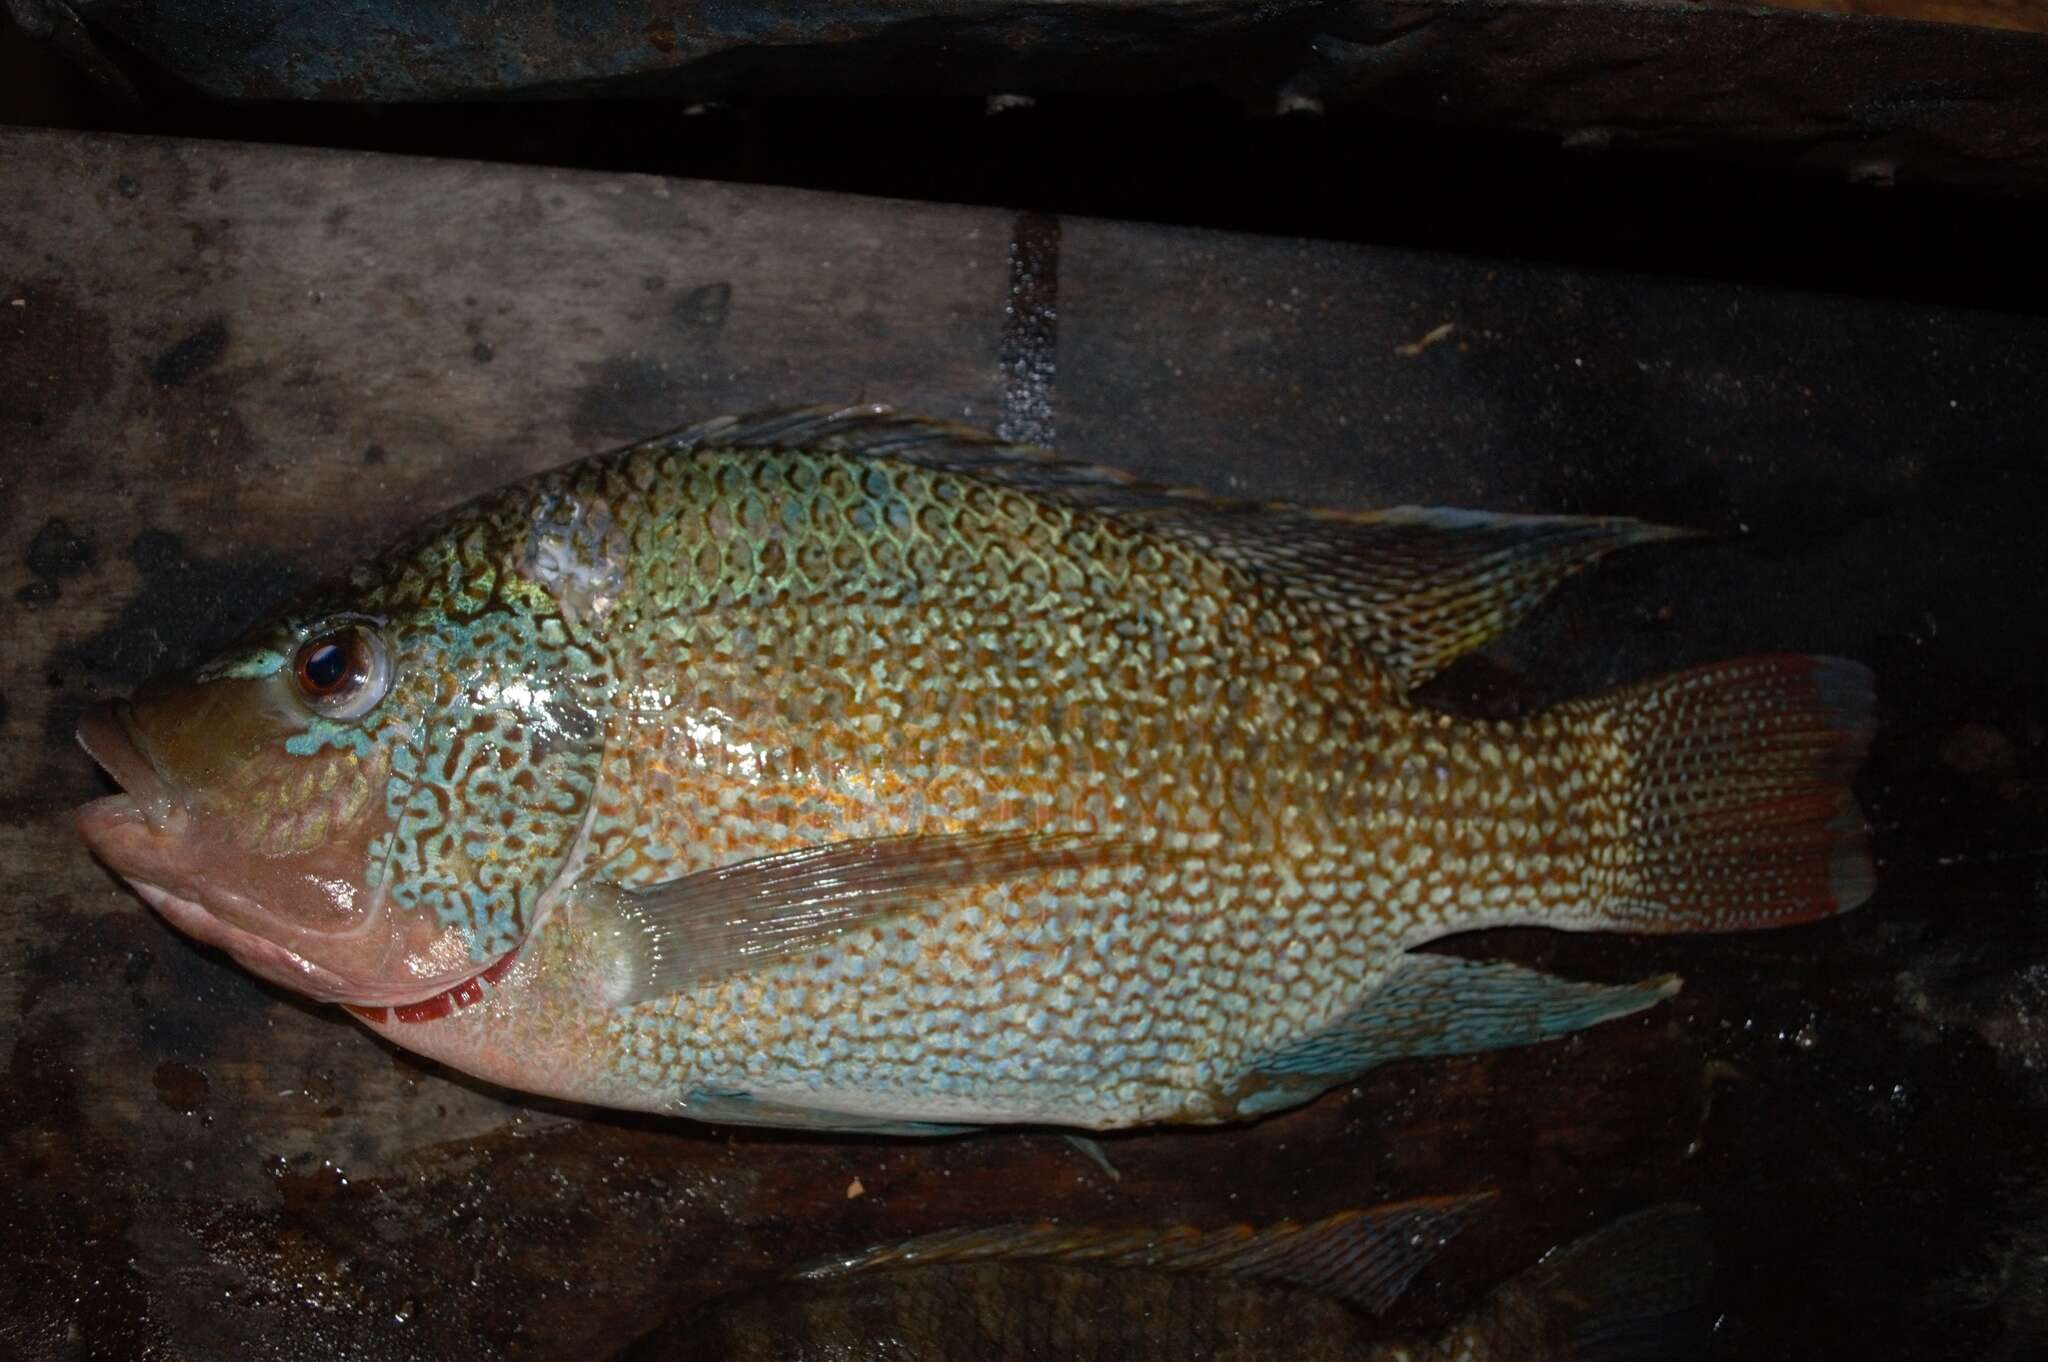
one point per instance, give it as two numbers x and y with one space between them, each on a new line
1196 157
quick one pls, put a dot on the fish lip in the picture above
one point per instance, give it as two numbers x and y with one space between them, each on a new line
148 817
261 956
109 737
268 959
128 831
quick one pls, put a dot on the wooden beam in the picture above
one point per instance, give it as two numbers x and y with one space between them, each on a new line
227 369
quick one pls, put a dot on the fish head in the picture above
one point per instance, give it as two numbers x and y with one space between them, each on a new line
369 801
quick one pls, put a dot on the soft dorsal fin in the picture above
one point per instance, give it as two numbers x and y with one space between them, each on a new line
1421 585
1364 1257
735 918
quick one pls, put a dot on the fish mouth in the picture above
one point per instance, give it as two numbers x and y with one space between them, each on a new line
271 960
148 815
143 834
108 735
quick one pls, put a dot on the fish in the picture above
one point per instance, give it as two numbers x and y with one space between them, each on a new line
1634 1291
840 770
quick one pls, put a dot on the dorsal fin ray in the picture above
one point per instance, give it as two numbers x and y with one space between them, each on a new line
1420 586
1365 1257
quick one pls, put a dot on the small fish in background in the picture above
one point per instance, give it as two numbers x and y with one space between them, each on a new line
1632 1292
844 771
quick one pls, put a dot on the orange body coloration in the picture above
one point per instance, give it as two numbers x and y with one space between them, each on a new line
838 770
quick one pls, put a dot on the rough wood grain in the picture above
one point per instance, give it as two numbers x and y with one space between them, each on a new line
1836 87
224 370
443 49
2025 16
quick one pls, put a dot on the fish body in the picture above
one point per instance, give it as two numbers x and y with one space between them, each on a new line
1628 1293
845 771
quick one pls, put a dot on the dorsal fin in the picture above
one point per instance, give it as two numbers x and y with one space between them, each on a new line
1364 1257
1422 586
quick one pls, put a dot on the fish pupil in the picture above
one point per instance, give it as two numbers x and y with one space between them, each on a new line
324 666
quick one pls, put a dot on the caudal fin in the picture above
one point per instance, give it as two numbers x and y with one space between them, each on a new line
1736 810
1632 1292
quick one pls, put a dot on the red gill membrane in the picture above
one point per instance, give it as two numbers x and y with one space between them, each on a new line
444 1003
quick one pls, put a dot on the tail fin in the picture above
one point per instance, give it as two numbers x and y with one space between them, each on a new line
1736 809
1632 1292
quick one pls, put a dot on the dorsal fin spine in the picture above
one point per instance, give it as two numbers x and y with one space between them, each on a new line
1419 586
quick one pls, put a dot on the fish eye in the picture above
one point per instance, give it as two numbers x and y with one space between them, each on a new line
343 672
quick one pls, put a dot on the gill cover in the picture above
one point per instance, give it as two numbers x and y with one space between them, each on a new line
454 662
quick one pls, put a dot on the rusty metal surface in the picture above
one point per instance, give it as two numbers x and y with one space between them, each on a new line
225 370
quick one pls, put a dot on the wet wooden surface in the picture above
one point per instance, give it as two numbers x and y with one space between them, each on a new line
225 371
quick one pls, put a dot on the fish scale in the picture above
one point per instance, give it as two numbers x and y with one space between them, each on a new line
841 770
825 674
1037 630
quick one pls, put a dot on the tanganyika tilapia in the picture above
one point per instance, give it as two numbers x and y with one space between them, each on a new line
1632 1292
839 770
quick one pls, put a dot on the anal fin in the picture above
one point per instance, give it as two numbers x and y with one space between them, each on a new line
1440 1005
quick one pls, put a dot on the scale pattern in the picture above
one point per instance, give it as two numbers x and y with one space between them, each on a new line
839 632
809 646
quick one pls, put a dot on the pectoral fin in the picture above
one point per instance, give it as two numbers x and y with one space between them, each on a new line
1440 1005
741 917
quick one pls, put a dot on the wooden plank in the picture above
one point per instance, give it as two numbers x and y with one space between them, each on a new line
452 49
2020 16
1874 100
1859 88
224 370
